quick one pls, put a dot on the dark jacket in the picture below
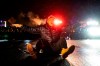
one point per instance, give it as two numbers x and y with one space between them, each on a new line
51 35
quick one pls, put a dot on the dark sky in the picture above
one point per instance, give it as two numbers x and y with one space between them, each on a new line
66 8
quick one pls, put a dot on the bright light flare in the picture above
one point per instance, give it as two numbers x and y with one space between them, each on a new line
57 22
94 31
92 22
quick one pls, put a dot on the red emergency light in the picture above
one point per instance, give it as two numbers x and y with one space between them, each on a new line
54 22
57 22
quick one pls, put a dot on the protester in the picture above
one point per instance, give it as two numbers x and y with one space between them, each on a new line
52 45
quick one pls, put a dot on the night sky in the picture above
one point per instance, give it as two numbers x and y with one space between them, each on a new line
65 8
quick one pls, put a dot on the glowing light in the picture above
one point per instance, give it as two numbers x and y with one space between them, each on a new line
92 22
17 25
94 31
57 22
5 23
1 21
3 40
27 41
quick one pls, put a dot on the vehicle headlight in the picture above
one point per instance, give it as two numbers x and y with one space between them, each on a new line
93 31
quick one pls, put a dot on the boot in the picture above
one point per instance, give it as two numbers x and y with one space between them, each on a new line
69 51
